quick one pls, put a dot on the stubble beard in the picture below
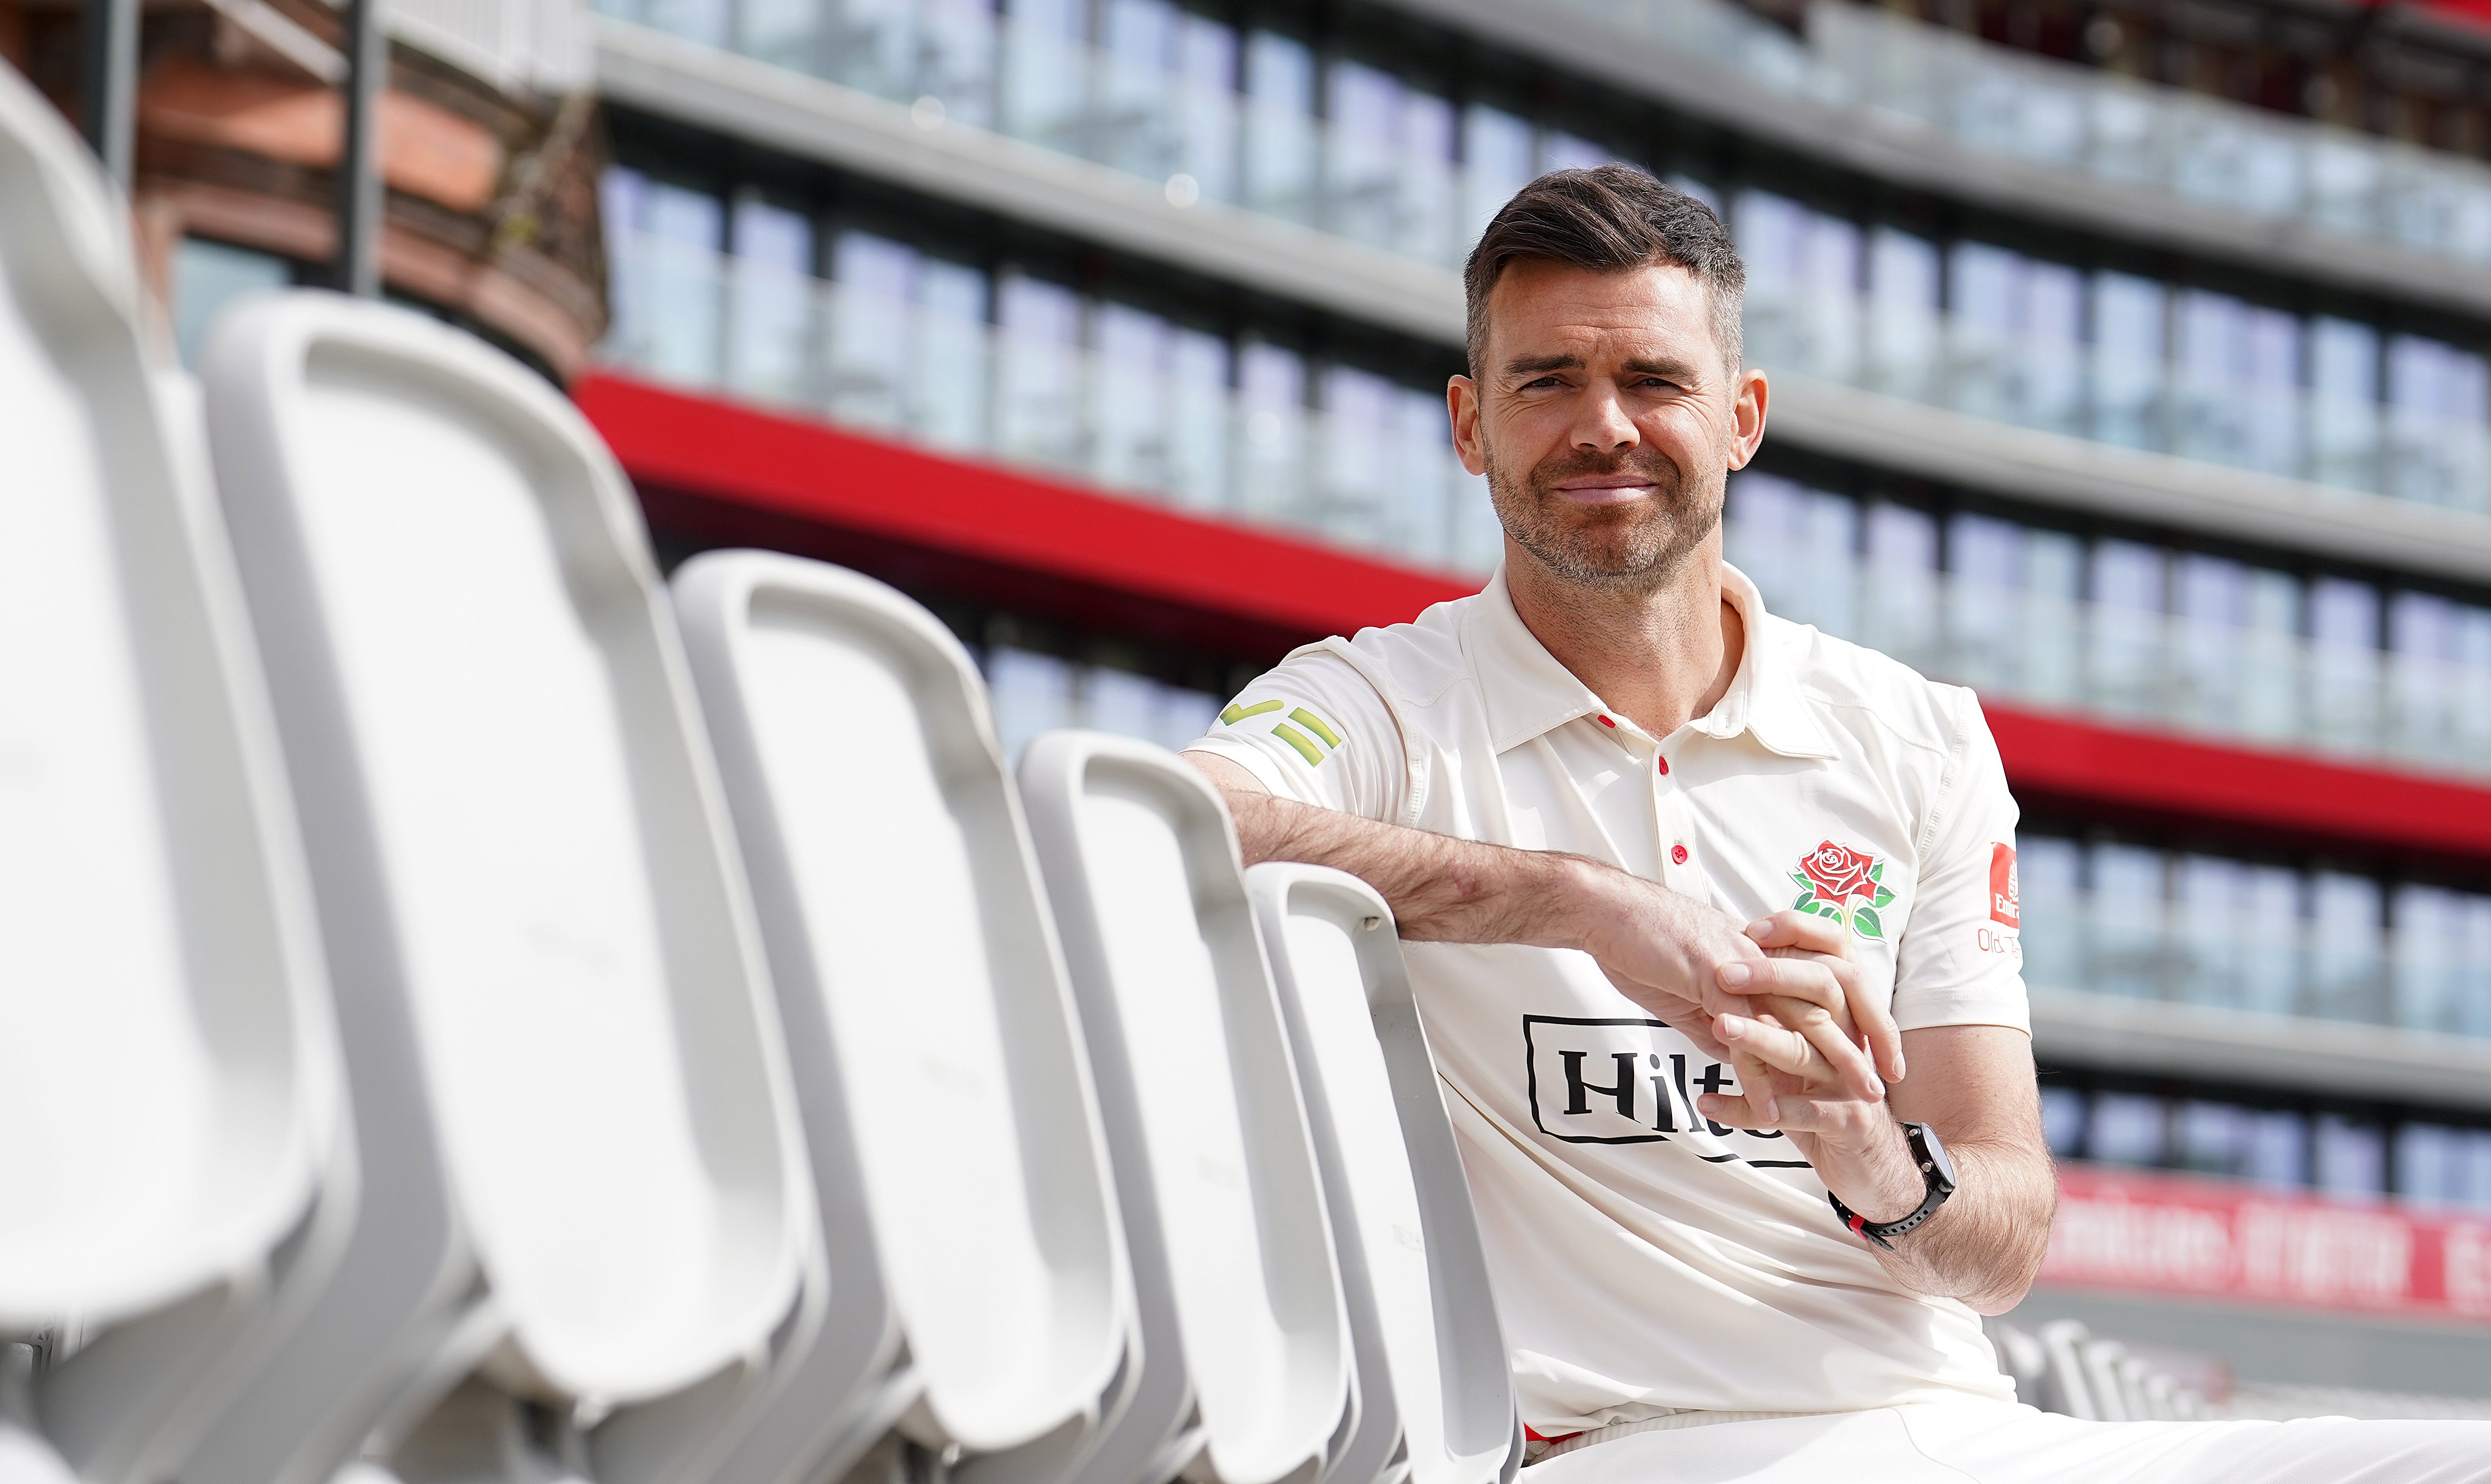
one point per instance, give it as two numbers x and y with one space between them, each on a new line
1635 547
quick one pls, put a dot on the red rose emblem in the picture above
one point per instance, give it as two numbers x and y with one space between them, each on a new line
1838 872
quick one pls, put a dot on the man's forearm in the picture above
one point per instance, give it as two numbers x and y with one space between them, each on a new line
1441 890
1985 1243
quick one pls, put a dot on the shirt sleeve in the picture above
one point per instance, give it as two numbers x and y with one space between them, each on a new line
1315 730
1960 961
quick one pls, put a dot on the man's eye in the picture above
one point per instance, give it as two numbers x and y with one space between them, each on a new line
1540 381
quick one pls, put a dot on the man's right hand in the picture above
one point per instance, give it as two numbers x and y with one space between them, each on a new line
1688 962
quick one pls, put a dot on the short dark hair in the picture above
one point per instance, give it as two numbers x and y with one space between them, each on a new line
1609 219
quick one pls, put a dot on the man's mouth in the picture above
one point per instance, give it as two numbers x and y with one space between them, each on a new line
1603 488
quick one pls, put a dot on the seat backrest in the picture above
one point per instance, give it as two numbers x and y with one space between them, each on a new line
1243 1329
167 1070
567 1078
961 1171
1434 1385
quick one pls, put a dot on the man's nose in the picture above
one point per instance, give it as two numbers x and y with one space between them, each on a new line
1601 422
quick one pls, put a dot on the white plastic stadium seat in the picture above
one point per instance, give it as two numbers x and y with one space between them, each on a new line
167 1068
1244 1341
581 1182
1435 1396
976 1274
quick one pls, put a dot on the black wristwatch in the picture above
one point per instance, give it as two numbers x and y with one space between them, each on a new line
1936 1170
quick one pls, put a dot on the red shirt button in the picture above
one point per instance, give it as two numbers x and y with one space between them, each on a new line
1678 854
1606 722
1664 765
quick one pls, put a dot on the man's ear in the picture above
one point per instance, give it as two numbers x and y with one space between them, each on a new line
1748 397
1462 406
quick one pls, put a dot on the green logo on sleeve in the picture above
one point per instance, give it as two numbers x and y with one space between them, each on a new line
1304 746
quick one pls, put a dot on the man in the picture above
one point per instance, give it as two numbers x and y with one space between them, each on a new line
1714 924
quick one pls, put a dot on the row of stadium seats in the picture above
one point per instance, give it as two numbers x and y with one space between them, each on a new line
475 1014
2062 1367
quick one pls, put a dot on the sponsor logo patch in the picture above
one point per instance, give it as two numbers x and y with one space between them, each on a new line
2005 906
1626 1081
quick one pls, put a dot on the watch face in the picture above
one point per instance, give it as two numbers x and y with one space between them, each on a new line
1940 1168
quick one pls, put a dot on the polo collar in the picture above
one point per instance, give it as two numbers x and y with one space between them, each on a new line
1527 694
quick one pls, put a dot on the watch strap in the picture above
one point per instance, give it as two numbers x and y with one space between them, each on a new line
1934 1196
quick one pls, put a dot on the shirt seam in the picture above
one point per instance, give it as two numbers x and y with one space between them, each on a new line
1951 780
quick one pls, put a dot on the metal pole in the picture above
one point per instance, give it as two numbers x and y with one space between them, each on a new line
108 84
358 164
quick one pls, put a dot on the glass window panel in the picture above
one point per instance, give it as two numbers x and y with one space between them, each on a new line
2428 969
2062 1121
1986 619
2272 961
2346 947
1032 693
2348 1157
2210 658
771 317
1203 109
2127 352
2127 627
2054 647
2344 412
1121 702
2047 876
2429 1163
2279 1150
2127 921
2437 398
1904 327
1829 272
1272 391
1760 527
1983 284
2048 381
679 312
951 375
2210 919
2345 664
1039 411
2473 1179
873 341
1365 154
1496 162
1199 425
1773 233
1429 224
2129 1128
1130 390
1901 597
1185 715
705 21
1128 126
2472 1008
1359 459
2212 1138
1426 477
1279 126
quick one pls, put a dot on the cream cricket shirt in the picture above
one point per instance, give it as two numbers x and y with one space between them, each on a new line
1647 1260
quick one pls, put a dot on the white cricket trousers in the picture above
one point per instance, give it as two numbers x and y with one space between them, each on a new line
2003 1443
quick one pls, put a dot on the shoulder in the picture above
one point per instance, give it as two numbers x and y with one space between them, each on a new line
1414 664
1871 697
